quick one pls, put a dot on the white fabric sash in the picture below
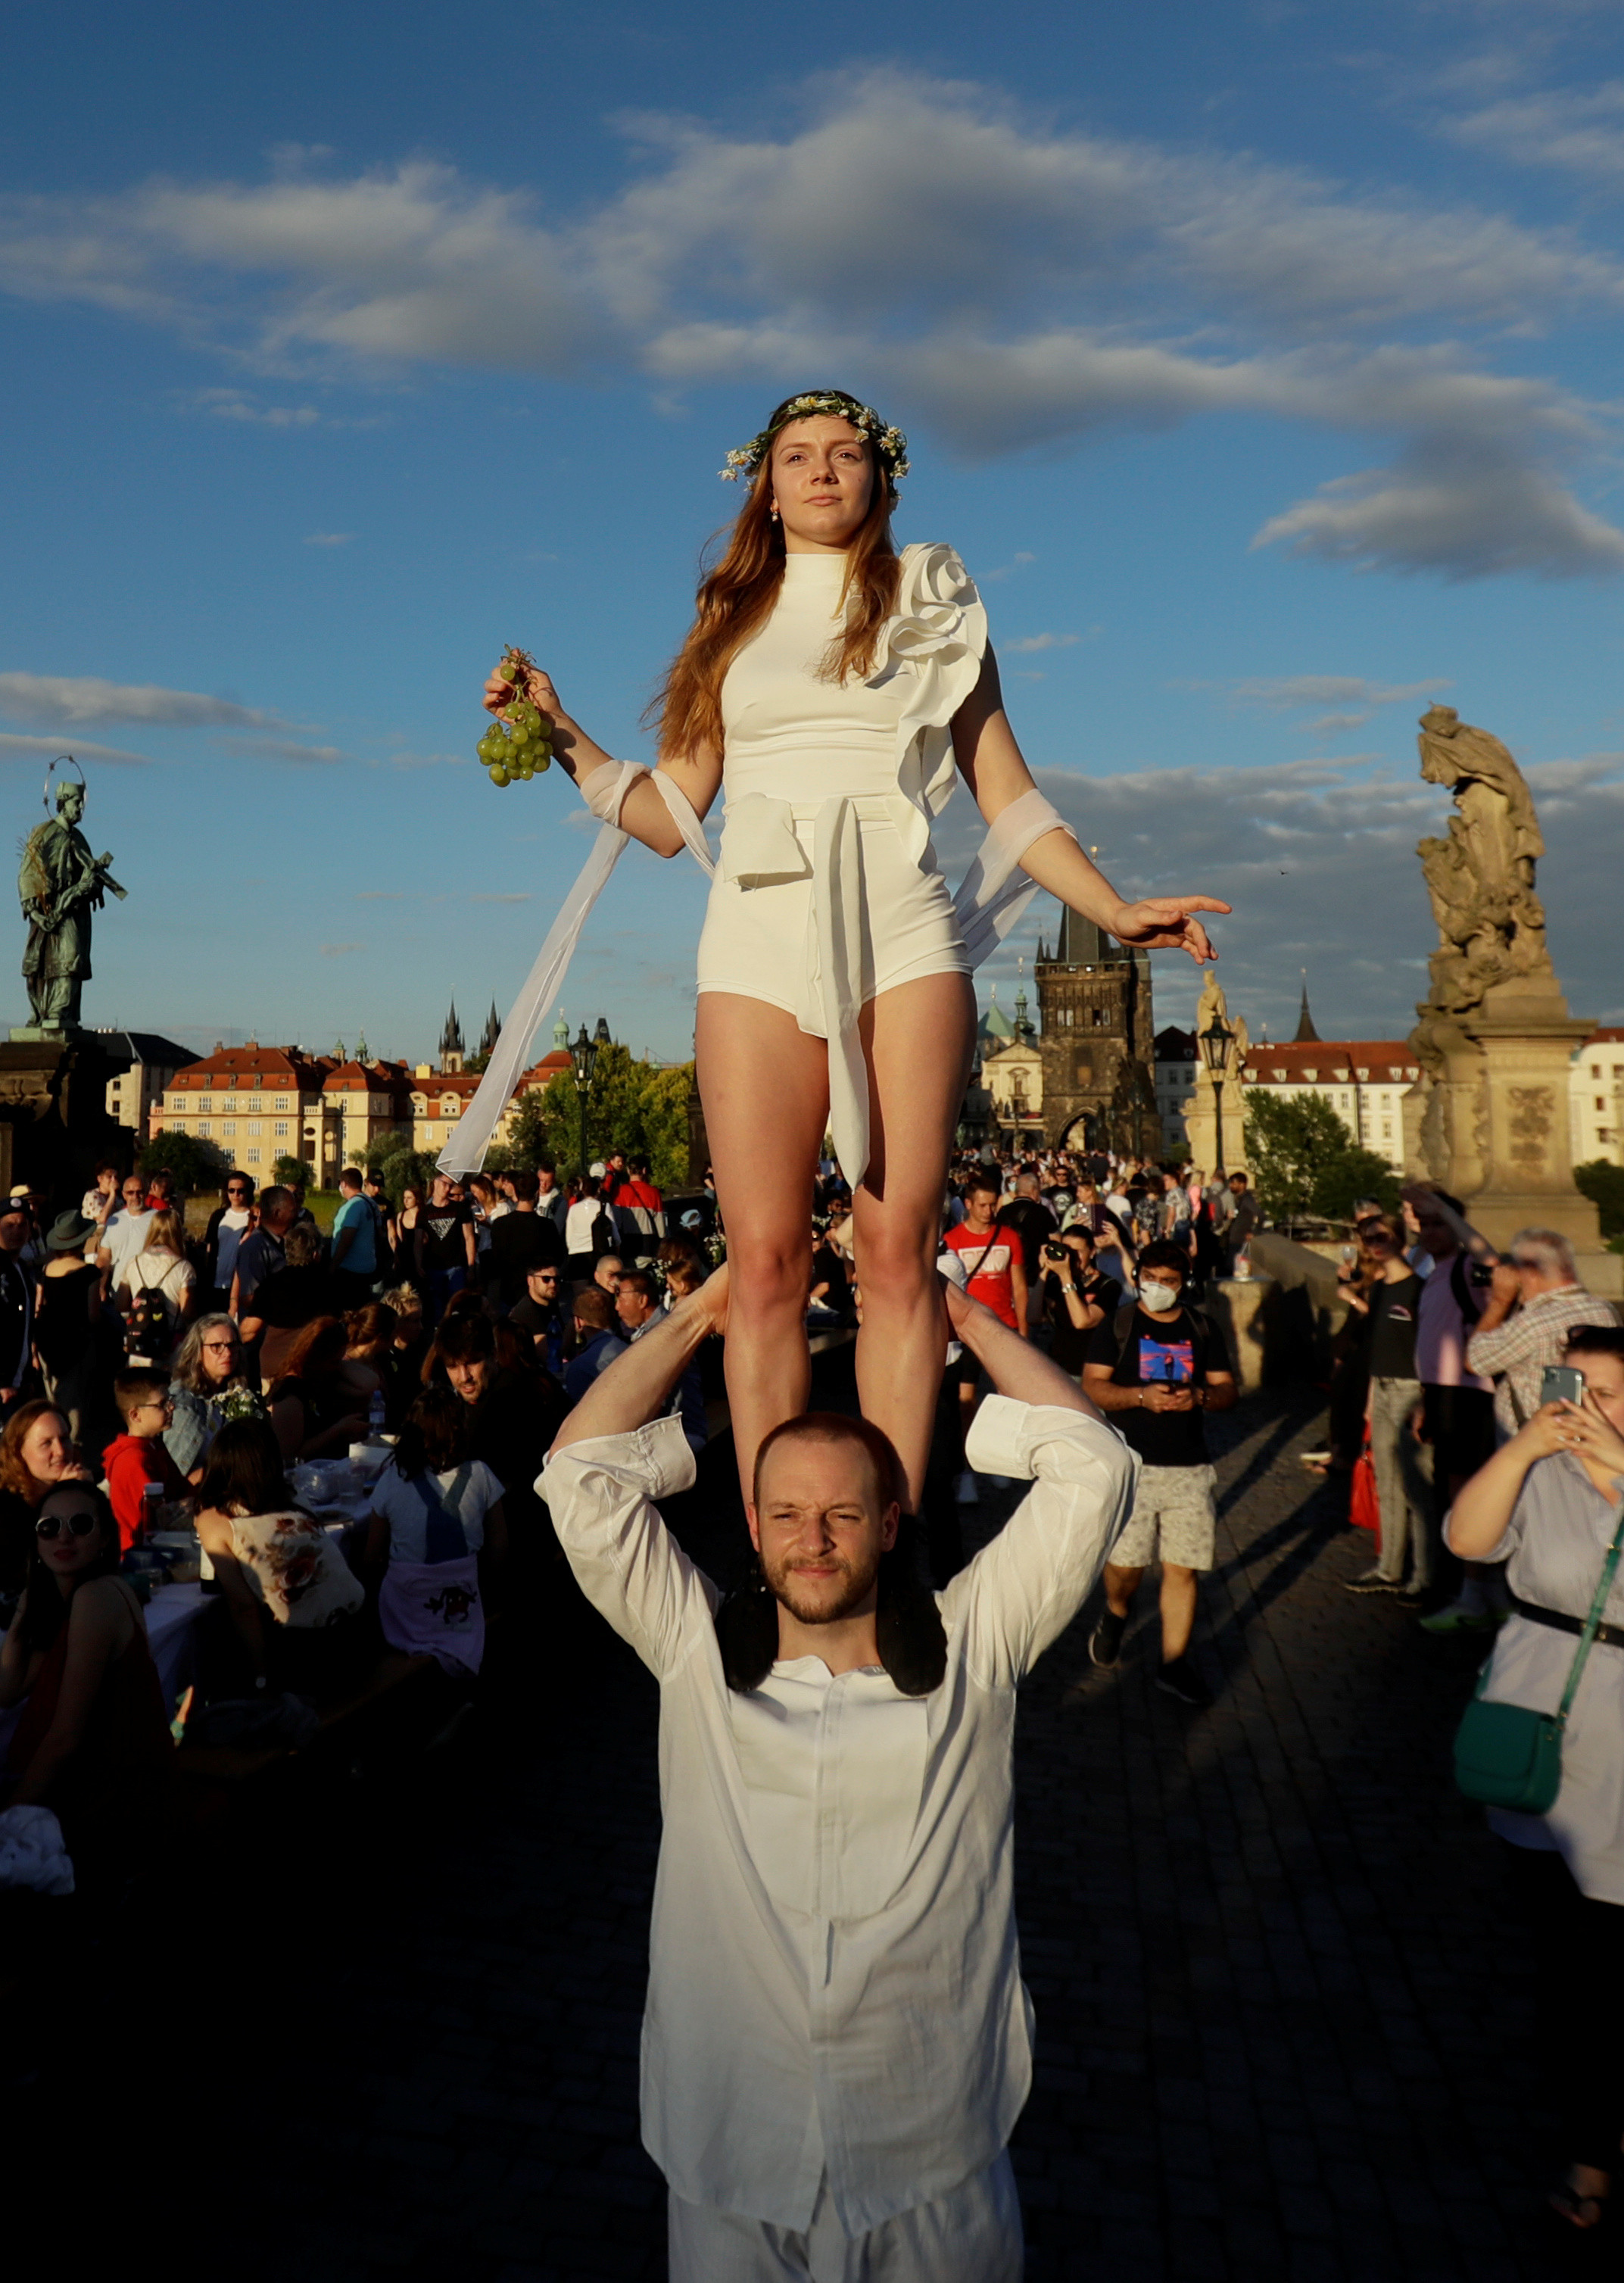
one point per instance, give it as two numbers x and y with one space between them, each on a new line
464 1152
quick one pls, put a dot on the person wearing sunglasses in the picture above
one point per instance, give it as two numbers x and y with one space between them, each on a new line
93 1743
37 1452
228 1225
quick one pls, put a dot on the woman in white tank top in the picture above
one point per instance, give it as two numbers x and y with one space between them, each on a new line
833 692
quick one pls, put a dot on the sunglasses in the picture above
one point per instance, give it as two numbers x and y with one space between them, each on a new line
52 1525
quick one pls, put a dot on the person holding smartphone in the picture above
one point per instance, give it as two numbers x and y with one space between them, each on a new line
1534 1305
1078 1297
1545 1507
1154 1368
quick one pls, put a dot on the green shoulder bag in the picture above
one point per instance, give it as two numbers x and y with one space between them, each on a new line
1505 1755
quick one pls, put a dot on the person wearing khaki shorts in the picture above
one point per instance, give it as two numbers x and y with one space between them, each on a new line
1151 1369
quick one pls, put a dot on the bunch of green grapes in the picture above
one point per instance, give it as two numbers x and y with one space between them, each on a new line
519 741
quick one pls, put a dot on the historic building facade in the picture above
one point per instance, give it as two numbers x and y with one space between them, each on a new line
1097 1043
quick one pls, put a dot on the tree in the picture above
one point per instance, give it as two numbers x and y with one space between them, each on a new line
1305 1162
635 1106
1603 1182
195 1164
288 1170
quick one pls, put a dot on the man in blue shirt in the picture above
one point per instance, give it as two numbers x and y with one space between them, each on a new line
354 1253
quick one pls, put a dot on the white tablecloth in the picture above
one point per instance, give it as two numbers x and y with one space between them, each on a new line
172 1619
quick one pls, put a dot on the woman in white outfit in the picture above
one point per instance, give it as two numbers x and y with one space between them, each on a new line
828 687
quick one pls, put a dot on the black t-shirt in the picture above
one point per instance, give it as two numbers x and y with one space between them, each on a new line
1032 1222
519 1241
1176 1348
440 1241
1391 1340
1069 1347
289 1298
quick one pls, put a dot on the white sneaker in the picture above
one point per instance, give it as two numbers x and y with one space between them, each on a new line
965 1491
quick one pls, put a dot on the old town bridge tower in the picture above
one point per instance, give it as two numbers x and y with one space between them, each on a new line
1097 1043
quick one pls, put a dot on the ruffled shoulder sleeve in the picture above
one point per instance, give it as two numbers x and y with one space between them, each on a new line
937 636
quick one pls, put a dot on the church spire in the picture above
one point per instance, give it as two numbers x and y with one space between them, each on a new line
1306 1035
451 1043
492 1031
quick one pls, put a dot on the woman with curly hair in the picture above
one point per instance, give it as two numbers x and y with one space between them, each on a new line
831 689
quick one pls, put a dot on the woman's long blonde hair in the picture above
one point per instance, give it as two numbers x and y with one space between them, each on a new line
166 1233
739 593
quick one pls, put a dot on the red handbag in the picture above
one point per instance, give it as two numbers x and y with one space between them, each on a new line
1364 1505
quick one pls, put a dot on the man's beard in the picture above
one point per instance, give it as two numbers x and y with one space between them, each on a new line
825 1600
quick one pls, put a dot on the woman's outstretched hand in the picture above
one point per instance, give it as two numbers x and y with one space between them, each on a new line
539 689
1165 924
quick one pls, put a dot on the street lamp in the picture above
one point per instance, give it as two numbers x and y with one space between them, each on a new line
1216 1040
584 1055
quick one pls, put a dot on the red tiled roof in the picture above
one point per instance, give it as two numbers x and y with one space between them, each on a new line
1332 1061
250 1066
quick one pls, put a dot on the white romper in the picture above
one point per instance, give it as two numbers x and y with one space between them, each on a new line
828 891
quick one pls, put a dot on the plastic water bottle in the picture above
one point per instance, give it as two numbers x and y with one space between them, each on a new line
151 1511
374 1416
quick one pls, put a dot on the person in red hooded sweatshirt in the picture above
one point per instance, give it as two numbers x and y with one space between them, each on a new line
138 1456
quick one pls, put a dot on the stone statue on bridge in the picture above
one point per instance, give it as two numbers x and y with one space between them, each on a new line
60 885
1491 924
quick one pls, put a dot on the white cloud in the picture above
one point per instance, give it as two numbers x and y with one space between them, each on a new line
340 950
86 698
1290 691
235 404
1579 132
524 898
1319 858
32 747
1018 286
1030 642
329 538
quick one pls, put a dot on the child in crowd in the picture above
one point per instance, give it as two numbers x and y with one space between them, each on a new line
138 1456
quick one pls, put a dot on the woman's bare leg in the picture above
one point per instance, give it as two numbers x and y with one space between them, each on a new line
765 1089
918 1040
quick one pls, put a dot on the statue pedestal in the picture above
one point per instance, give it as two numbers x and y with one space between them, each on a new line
1496 1128
1202 1125
53 1113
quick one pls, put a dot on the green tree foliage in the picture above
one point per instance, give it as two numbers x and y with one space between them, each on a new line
1305 1163
393 1156
635 1106
1603 1183
195 1164
288 1170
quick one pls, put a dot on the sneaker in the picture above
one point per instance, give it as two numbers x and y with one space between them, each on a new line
1372 1581
1181 1680
1104 1643
965 1491
1458 1618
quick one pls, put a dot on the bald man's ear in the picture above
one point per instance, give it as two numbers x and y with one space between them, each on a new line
891 1523
755 1526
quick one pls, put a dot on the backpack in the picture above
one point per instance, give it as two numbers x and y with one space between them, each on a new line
147 1332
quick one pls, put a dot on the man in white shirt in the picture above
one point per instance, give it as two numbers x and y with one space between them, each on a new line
837 2041
124 1232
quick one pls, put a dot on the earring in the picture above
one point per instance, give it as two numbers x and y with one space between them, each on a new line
773 511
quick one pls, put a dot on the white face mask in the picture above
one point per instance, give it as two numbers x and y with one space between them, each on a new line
1158 1298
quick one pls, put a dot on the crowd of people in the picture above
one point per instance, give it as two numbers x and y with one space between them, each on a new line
158 1382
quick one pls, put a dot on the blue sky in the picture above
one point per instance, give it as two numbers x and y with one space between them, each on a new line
1261 360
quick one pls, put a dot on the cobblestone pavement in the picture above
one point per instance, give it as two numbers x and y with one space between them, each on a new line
1282 2032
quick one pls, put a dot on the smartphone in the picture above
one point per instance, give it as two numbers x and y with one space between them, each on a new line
1562 1385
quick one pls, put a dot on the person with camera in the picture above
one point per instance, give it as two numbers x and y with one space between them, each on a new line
1078 1297
1545 1510
1153 1368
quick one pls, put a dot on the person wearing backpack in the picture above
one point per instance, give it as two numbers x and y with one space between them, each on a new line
157 1291
1154 1369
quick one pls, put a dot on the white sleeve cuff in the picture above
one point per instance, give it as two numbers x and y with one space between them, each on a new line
654 1459
607 787
1012 833
1006 1436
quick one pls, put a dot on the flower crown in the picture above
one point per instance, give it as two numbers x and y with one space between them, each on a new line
889 444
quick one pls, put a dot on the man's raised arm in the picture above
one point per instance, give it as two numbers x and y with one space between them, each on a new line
637 1385
1015 1366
